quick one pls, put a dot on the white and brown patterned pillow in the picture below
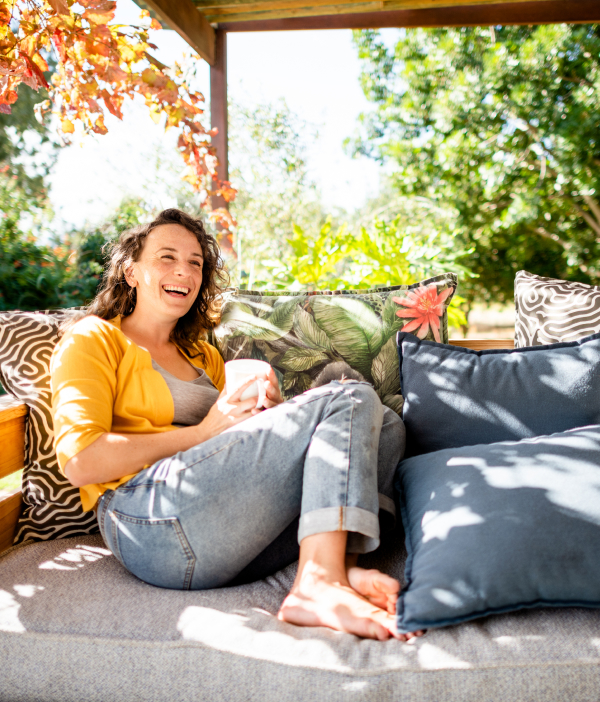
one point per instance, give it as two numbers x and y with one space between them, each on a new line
52 507
549 310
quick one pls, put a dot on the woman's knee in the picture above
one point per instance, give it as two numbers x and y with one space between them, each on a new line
361 390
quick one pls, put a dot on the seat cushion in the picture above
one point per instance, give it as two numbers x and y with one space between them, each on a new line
76 627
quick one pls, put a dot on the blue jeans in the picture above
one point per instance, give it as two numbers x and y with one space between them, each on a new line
197 519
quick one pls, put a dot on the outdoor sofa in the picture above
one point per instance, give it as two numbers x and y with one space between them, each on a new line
76 626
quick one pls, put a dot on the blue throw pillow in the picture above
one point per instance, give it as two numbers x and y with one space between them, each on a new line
459 397
500 527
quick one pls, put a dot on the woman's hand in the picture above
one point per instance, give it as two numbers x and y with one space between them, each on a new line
272 392
113 456
228 411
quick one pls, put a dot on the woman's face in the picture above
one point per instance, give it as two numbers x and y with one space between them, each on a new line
168 274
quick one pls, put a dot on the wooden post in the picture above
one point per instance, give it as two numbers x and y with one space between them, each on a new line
218 102
218 119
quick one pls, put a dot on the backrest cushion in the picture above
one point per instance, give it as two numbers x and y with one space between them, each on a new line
455 396
550 310
52 507
299 333
500 527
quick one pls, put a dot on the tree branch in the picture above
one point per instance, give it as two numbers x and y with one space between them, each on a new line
554 237
593 205
575 79
590 220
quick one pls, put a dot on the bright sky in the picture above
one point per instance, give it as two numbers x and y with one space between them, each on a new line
317 74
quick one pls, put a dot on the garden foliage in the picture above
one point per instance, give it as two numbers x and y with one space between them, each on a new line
500 124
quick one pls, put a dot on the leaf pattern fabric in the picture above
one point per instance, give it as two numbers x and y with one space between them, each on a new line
299 333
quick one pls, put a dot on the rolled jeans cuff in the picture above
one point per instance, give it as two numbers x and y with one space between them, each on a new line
387 504
362 526
387 514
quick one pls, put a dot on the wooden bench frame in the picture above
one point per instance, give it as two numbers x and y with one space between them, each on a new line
13 415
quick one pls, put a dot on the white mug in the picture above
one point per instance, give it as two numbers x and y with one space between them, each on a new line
239 371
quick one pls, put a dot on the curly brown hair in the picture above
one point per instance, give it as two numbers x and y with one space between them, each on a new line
115 297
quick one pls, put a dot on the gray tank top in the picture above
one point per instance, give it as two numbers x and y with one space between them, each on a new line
192 398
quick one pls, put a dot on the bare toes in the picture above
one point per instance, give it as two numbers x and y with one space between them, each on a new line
340 608
380 589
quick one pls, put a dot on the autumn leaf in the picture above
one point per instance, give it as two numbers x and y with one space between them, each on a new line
59 44
67 126
99 127
112 108
39 76
5 13
40 62
59 6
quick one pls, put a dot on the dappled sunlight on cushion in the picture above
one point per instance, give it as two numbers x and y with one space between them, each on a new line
437 525
572 483
500 527
434 657
74 558
107 630
456 396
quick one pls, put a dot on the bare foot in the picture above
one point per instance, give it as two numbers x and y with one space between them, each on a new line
318 600
380 589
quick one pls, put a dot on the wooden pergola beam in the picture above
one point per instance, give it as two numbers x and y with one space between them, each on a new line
514 13
184 18
218 105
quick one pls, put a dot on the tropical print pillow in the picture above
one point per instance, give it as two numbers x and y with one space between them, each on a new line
299 333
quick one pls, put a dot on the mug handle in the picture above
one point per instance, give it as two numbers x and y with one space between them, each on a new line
260 384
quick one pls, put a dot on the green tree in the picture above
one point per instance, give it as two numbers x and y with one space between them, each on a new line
30 273
28 149
88 255
501 124
268 166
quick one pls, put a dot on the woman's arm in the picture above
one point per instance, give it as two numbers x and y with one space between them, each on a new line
112 456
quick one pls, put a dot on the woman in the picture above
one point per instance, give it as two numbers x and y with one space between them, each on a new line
191 505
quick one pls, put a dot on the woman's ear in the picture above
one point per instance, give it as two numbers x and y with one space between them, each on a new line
129 276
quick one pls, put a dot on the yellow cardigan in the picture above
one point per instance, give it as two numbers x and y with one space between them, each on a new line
104 382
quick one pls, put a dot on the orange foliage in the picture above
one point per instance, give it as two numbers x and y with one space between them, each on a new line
99 65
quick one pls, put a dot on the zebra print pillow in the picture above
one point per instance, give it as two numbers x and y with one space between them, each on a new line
549 310
52 508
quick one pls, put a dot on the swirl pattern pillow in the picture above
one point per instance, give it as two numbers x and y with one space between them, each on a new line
299 333
51 505
550 310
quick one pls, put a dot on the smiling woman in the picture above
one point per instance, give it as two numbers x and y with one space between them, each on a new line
172 235
191 483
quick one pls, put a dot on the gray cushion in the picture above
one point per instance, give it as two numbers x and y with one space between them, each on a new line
455 396
76 627
500 527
